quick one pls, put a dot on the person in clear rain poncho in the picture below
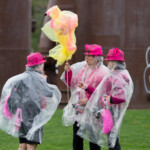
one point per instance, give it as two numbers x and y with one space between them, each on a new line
82 78
106 107
27 103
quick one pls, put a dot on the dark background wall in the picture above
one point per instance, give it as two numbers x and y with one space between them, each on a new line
15 37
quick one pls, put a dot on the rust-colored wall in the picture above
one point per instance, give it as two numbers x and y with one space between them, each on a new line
15 37
116 23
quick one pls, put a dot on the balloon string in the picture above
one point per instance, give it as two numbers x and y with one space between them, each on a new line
67 87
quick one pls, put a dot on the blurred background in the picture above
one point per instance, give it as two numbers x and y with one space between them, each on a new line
110 23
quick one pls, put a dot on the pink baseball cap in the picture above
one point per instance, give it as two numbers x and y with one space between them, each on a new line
35 59
93 49
115 54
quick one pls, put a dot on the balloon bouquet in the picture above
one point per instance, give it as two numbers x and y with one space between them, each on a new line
60 29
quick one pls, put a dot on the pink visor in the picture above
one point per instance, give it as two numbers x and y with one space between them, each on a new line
35 59
115 54
95 50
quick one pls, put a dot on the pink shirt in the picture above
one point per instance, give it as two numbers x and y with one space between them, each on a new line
91 78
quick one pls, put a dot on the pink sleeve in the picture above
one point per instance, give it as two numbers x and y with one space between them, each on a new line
69 77
116 100
90 90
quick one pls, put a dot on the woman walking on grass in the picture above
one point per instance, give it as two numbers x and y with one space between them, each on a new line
82 78
28 103
104 112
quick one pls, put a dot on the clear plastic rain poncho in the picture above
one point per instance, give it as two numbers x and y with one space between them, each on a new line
27 103
81 72
116 84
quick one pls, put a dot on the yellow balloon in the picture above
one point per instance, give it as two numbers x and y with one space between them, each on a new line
60 29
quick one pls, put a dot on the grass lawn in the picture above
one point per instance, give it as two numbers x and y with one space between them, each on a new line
135 134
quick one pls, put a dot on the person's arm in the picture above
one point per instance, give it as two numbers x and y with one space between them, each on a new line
114 100
119 93
68 77
90 90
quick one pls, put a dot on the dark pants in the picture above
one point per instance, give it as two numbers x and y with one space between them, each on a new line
117 145
78 141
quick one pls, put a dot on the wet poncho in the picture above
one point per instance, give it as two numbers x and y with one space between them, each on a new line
92 78
27 103
117 84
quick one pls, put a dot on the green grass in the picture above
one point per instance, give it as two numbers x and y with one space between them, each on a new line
135 134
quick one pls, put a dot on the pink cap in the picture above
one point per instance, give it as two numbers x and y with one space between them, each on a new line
35 59
95 50
115 54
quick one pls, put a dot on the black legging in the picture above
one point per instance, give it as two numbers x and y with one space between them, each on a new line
78 141
117 145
